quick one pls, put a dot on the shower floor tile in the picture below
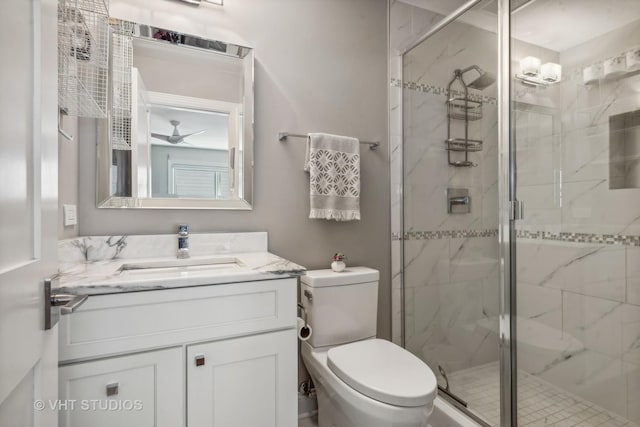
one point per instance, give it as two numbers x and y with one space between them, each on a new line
540 403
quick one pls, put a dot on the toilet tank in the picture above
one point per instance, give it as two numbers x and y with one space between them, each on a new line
341 307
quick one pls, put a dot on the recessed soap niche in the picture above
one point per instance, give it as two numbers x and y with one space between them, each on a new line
624 150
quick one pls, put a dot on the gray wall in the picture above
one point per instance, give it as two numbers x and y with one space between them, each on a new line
320 66
67 175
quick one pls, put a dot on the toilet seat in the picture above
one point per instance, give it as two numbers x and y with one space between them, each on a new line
383 371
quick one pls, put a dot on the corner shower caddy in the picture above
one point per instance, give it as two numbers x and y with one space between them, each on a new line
460 107
83 57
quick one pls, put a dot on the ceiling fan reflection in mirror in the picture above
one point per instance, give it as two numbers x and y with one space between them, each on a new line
175 137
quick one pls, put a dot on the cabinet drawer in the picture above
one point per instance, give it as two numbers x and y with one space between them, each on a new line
137 390
121 323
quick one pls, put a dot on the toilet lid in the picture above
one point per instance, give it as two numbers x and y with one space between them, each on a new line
383 371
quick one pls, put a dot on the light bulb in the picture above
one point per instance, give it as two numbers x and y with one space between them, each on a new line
551 72
530 66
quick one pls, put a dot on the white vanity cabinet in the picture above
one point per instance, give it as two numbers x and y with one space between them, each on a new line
217 356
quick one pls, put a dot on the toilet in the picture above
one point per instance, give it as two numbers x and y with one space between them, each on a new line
360 380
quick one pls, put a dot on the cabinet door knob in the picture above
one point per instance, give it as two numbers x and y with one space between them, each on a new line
200 360
112 389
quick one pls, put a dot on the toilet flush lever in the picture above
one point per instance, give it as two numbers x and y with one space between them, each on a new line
308 294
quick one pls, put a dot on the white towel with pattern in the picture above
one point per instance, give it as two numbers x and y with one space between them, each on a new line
333 163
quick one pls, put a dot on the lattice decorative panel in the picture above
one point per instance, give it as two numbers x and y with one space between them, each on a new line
83 57
121 63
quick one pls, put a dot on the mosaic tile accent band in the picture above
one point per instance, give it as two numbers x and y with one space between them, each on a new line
600 239
436 90
447 234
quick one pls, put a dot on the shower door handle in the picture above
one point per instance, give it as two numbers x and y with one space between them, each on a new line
516 210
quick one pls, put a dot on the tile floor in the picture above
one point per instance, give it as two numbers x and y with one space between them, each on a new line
540 403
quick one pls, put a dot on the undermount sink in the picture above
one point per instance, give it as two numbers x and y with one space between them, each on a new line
187 264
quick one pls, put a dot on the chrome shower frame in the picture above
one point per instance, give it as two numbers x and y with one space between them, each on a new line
506 225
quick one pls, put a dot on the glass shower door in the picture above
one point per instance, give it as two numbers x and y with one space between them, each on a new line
450 209
575 124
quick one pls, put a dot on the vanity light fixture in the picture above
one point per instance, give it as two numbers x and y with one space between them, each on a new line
534 74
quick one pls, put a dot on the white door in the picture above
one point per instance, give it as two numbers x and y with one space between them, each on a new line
243 382
28 209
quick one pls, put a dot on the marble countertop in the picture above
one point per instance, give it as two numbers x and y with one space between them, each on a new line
107 277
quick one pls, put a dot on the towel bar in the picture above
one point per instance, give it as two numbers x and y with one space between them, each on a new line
282 136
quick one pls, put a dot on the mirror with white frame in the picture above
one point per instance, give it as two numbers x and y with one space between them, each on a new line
180 130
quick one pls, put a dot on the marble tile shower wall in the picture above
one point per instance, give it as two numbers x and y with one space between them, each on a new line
448 279
564 175
450 261
451 294
579 319
579 302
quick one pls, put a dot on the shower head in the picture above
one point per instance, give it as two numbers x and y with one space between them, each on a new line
483 81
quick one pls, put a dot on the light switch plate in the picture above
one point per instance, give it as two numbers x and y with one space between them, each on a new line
70 215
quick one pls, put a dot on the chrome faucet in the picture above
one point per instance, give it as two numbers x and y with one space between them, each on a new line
183 241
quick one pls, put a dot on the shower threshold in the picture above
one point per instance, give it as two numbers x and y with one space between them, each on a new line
539 402
461 405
